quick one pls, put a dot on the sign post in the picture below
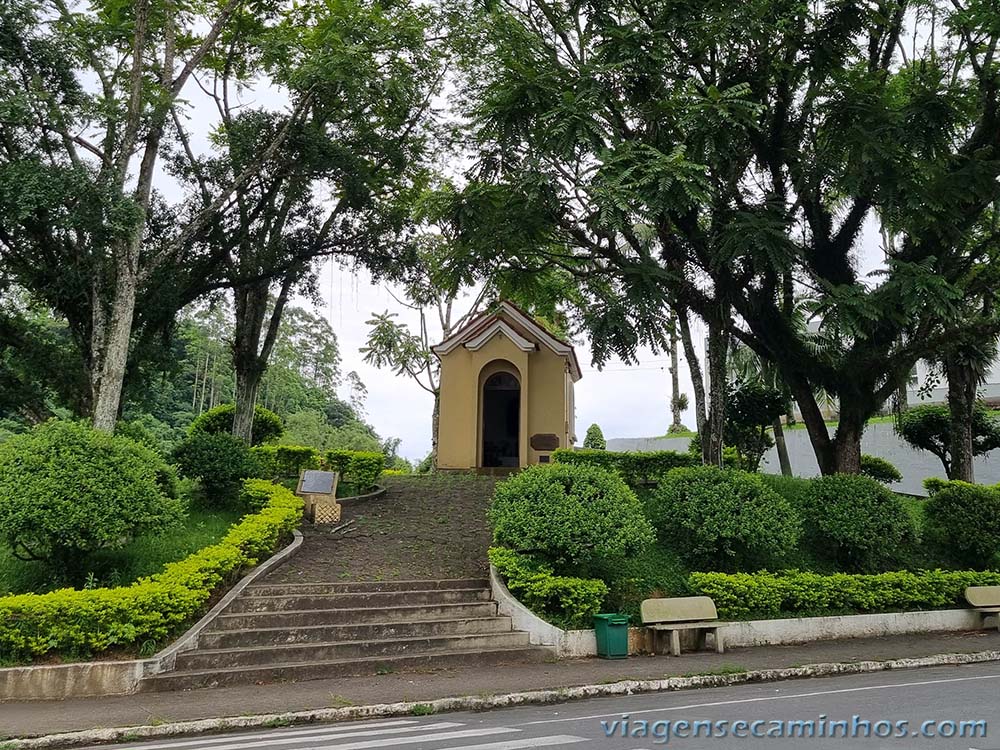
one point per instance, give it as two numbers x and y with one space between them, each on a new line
319 491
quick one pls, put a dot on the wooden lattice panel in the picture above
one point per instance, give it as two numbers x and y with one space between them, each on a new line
326 512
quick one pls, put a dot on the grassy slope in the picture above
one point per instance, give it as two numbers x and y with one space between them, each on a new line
141 557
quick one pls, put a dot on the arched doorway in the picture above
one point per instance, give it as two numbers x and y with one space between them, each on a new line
501 420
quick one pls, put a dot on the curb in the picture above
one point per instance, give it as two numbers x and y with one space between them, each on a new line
482 703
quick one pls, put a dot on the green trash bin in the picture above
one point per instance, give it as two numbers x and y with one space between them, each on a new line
612 635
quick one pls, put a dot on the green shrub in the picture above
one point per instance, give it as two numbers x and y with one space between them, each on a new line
565 601
928 427
965 520
594 438
67 490
219 460
359 468
284 460
76 623
879 469
795 593
267 425
858 523
579 517
722 519
635 467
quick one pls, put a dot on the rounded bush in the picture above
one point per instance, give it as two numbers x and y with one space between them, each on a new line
723 519
67 490
879 469
965 520
219 460
858 523
574 517
267 425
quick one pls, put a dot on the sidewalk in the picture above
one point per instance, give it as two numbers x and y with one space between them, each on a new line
28 719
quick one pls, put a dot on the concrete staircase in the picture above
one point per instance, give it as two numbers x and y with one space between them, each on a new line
306 631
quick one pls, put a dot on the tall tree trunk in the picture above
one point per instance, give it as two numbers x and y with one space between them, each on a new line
114 357
697 381
812 417
847 439
435 426
712 437
250 352
962 384
782 447
675 379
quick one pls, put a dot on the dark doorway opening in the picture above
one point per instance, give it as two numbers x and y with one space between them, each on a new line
501 420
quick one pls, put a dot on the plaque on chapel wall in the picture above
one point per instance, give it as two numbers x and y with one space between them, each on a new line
544 442
317 482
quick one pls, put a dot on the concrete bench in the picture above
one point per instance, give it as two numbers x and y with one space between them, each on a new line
682 613
985 600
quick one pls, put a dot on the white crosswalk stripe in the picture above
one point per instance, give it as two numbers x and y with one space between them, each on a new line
441 735
272 736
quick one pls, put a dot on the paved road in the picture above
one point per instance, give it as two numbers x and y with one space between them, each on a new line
948 696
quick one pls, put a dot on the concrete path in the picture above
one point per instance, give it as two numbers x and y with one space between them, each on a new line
948 707
24 719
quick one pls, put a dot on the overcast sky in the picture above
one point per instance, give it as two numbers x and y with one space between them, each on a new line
624 401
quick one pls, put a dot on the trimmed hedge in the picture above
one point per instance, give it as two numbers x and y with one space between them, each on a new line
267 425
78 623
569 602
360 468
965 520
879 469
285 460
635 467
723 519
742 596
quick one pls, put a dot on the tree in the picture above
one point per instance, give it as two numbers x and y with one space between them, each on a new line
342 179
92 97
751 409
678 399
752 140
929 427
595 438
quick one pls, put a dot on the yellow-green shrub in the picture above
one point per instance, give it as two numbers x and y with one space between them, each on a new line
792 592
360 468
74 623
285 460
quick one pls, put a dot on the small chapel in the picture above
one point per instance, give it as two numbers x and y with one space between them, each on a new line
506 393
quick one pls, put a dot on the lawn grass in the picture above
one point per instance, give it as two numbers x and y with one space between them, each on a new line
143 556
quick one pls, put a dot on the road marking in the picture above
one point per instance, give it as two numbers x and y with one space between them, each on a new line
442 736
757 700
237 742
529 742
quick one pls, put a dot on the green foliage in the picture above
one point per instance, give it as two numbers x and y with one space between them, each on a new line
879 469
267 426
219 460
751 409
722 519
964 519
793 593
635 467
313 428
594 439
574 517
284 460
565 601
75 623
858 523
928 427
67 491
359 468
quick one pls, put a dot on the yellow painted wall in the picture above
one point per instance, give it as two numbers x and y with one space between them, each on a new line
546 390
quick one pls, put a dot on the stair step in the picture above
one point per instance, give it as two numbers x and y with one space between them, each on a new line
356 600
278 636
363 587
348 616
317 652
216 677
